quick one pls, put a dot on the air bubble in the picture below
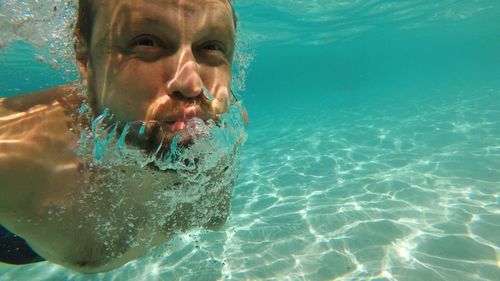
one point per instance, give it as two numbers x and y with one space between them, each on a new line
195 128
207 93
185 176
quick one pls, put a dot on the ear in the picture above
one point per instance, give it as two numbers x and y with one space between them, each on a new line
82 53
244 114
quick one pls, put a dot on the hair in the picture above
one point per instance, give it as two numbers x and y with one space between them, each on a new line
87 12
85 20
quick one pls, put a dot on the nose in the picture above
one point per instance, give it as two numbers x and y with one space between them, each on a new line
187 80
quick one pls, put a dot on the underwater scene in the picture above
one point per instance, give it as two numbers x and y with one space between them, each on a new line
372 150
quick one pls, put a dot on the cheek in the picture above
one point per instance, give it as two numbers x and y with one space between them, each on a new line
217 81
128 89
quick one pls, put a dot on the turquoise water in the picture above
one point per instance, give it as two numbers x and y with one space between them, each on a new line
373 149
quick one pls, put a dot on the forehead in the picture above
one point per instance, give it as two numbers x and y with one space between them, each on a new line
173 13
186 4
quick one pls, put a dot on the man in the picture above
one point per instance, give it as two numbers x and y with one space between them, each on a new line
162 64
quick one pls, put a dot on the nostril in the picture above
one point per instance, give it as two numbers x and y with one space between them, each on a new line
178 95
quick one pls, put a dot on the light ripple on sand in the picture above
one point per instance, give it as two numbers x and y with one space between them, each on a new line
409 192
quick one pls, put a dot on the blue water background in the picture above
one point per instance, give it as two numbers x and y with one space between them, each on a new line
373 150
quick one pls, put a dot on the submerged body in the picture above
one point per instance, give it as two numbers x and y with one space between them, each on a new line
155 63
40 172
45 187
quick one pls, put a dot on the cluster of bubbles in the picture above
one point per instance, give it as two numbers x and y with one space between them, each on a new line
168 189
46 25
243 59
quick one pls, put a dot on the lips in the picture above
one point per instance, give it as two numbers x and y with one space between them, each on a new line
175 121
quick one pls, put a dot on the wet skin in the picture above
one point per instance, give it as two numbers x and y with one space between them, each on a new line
157 62
155 57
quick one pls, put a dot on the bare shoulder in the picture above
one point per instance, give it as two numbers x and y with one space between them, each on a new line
38 119
34 141
48 98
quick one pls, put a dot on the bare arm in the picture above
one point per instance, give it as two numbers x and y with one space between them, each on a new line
35 153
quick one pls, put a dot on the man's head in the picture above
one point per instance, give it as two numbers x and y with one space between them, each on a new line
86 15
157 60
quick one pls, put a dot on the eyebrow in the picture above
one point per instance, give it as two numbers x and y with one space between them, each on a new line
218 24
155 22
215 28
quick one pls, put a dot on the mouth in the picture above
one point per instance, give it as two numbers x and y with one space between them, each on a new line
190 130
184 124
184 133
176 120
158 136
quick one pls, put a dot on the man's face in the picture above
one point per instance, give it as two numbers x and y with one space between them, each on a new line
161 60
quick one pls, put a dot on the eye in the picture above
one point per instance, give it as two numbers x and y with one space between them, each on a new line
146 41
214 46
147 47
